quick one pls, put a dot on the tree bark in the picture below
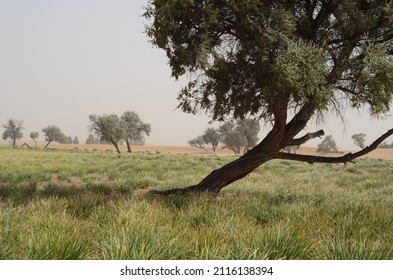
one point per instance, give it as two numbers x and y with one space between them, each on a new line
47 144
116 146
128 146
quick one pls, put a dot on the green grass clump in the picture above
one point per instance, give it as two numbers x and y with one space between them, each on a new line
57 204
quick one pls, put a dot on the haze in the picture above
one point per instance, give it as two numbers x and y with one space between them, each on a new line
61 61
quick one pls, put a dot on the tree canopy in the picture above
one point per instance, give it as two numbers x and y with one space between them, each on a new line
359 139
283 61
13 130
108 128
134 129
53 133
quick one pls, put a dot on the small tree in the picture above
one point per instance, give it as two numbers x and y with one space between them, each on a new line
91 139
108 128
52 133
232 137
13 130
212 137
359 140
250 129
328 145
34 136
198 142
134 129
76 140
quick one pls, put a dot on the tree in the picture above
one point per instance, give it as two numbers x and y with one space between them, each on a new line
134 129
108 128
284 62
198 142
231 137
385 145
34 136
13 130
212 137
328 145
53 133
250 129
359 139
92 139
75 141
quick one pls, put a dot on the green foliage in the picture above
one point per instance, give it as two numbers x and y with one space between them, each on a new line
327 145
34 136
91 139
53 133
211 137
67 204
13 130
359 140
108 128
249 55
134 129
198 142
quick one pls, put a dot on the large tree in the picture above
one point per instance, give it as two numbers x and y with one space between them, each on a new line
134 129
282 61
53 133
108 128
13 130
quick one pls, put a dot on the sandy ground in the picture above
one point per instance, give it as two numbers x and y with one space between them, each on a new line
378 153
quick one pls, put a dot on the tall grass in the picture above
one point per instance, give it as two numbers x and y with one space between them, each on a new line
57 204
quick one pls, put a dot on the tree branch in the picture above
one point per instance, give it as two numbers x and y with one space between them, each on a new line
305 138
343 159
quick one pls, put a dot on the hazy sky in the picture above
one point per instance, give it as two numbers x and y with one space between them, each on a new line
62 60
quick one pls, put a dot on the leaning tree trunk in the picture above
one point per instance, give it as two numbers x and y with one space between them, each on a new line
235 170
128 146
116 146
47 144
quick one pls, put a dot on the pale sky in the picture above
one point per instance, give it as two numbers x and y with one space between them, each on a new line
62 60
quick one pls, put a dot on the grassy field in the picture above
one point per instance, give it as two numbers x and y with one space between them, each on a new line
79 204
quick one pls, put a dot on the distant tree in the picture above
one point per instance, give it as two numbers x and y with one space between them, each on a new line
76 140
66 140
91 139
34 136
231 137
197 142
53 133
250 129
385 145
134 129
108 128
328 145
13 130
359 140
212 137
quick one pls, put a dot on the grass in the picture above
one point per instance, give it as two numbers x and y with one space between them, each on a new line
77 204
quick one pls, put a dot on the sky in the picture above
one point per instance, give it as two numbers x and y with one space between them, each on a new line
61 61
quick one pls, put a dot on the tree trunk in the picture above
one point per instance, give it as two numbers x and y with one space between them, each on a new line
229 173
14 142
116 146
47 144
128 146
